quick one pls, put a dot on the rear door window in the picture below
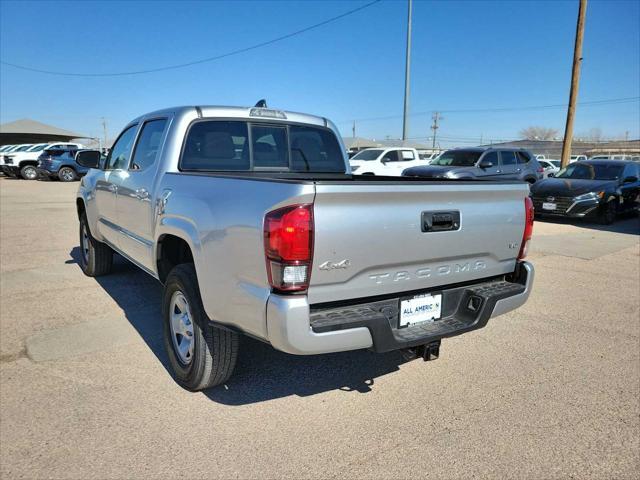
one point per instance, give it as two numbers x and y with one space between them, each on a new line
508 157
391 156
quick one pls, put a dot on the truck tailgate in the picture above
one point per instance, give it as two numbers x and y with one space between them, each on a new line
369 238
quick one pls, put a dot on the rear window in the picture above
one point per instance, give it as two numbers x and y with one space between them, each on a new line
224 146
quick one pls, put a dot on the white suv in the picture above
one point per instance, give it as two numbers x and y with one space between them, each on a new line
385 161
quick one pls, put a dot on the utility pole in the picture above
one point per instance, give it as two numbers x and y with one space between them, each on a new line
575 81
353 129
435 126
626 136
104 131
407 71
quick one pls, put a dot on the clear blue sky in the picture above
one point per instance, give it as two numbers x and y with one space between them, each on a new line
469 54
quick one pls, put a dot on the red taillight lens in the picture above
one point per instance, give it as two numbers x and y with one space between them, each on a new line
540 170
528 227
288 245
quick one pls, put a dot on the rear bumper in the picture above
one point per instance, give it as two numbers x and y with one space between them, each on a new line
295 327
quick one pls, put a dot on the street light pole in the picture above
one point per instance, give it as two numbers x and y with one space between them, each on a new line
407 72
575 81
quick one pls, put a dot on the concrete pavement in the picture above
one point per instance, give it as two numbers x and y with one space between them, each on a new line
549 391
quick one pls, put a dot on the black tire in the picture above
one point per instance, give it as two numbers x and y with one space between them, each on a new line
608 213
29 172
96 258
67 174
215 350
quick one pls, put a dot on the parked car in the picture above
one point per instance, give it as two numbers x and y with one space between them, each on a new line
577 158
541 157
6 162
598 189
483 163
4 148
385 161
58 161
22 163
253 223
550 167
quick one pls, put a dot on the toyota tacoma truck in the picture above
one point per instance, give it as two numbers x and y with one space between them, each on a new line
254 224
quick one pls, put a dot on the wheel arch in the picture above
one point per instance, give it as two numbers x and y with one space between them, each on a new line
171 250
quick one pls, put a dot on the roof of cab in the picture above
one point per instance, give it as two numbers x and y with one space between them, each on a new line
213 111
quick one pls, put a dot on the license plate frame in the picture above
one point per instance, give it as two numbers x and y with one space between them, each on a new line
420 309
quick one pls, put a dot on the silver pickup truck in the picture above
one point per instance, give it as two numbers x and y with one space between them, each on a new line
254 224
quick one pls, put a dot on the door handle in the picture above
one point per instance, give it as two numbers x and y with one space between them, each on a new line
142 194
518 170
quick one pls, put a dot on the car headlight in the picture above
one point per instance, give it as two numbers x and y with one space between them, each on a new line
353 169
589 196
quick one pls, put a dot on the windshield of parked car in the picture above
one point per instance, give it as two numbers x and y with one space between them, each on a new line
555 163
457 158
591 171
367 155
23 148
37 148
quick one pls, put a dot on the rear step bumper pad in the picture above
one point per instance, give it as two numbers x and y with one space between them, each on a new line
296 328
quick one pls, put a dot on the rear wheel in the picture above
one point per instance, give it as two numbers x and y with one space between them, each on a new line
96 258
67 174
200 354
29 172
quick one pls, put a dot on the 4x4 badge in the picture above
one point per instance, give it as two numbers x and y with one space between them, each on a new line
334 266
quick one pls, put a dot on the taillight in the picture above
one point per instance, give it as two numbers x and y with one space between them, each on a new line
529 213
540 170
288 247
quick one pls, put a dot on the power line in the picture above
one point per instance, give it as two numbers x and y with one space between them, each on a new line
195 62
611 101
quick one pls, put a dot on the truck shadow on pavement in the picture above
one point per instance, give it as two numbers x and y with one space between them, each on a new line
625 224
262 373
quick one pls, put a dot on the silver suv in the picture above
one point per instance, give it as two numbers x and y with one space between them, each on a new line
484 163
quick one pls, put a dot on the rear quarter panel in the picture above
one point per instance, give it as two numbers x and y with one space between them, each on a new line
222 220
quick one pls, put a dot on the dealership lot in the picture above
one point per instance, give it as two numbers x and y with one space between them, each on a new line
550 390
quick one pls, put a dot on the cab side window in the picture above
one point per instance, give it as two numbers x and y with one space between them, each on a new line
491 157
119 155
149 143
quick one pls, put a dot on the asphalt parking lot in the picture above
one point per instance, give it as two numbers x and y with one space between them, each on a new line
551 390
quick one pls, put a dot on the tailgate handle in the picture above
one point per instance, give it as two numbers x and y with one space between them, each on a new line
440 221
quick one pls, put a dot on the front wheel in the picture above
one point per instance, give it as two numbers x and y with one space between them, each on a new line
608 213
29 172
67 174
96 258
201 355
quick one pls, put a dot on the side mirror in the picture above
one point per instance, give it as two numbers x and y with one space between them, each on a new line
89 158
485 164
551 174
630 179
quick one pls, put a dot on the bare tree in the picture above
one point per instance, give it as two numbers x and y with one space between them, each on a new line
538 133
593 135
